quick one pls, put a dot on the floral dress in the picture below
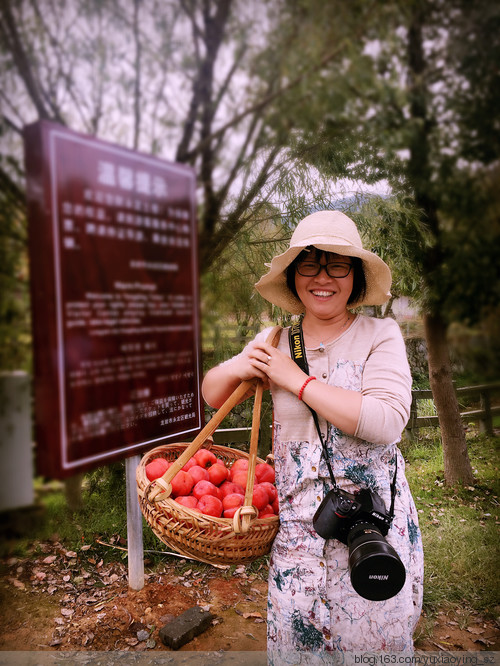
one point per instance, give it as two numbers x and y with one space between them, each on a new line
312 606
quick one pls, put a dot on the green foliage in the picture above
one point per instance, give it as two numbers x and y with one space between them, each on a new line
469 275
15 333
392 228
422 118
474 47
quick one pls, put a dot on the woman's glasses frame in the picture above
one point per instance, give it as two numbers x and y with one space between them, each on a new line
334 269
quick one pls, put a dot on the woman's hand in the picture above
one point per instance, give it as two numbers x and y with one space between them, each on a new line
249 365
222 380
276 366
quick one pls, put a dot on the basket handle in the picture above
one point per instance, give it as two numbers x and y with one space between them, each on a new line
248 386
246 514
243 516
156 494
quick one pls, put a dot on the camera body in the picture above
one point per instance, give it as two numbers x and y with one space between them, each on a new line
360 521
340 511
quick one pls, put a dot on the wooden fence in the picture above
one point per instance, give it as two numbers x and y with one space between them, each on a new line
483 393
484 415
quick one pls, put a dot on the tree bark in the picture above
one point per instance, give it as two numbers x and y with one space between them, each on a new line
457 467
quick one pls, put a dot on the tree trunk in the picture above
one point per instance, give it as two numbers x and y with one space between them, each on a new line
457 467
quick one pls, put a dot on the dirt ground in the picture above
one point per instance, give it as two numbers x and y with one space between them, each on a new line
61 600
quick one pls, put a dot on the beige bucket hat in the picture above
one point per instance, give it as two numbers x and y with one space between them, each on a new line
331 231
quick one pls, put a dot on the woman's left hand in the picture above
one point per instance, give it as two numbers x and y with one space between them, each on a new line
279 367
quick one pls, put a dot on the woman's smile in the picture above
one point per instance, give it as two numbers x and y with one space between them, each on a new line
322 293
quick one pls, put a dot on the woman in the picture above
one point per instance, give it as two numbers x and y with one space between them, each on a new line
361 392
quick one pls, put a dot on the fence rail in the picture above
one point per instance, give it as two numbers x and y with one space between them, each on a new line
484 414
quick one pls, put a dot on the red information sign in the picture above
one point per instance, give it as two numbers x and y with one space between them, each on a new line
113 253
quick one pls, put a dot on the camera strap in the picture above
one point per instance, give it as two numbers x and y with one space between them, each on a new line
298 354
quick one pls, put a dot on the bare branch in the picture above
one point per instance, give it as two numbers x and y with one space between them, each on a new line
266 101
237 218
203 84
137 81
189 10
15 111
63 72
10 35
238 162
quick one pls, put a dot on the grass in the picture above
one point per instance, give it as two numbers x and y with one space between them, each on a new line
459 525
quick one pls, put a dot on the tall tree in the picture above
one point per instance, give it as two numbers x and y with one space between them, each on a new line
419 173
423 113
452 143
443 138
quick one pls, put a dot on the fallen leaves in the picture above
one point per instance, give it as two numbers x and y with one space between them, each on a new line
17 583
50 559
98 611
256 617
95 610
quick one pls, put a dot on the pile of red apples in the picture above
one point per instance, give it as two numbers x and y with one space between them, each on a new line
205 484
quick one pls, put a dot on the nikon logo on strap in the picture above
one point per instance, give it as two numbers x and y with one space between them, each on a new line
296 346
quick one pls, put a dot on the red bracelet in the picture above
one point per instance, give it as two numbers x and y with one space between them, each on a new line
309 379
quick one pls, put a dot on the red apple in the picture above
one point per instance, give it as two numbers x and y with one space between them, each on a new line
187 500
240 465
240 478
260 498
205 458
181 484
271 490
232 501
198 473
266 512
276 507
264 472
218 473
210 505
229 513
190 463
204 488
229 487
157 468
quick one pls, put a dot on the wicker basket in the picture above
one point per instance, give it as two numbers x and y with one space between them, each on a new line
208 539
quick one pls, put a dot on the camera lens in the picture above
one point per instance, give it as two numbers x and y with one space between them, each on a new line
377 572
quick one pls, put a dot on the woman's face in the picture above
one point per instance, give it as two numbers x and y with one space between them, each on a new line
322 295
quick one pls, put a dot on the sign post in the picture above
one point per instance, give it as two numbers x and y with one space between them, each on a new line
134 527
114 286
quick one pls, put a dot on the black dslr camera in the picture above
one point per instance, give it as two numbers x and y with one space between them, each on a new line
361 521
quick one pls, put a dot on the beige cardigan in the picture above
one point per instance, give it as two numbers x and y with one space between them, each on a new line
370 357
